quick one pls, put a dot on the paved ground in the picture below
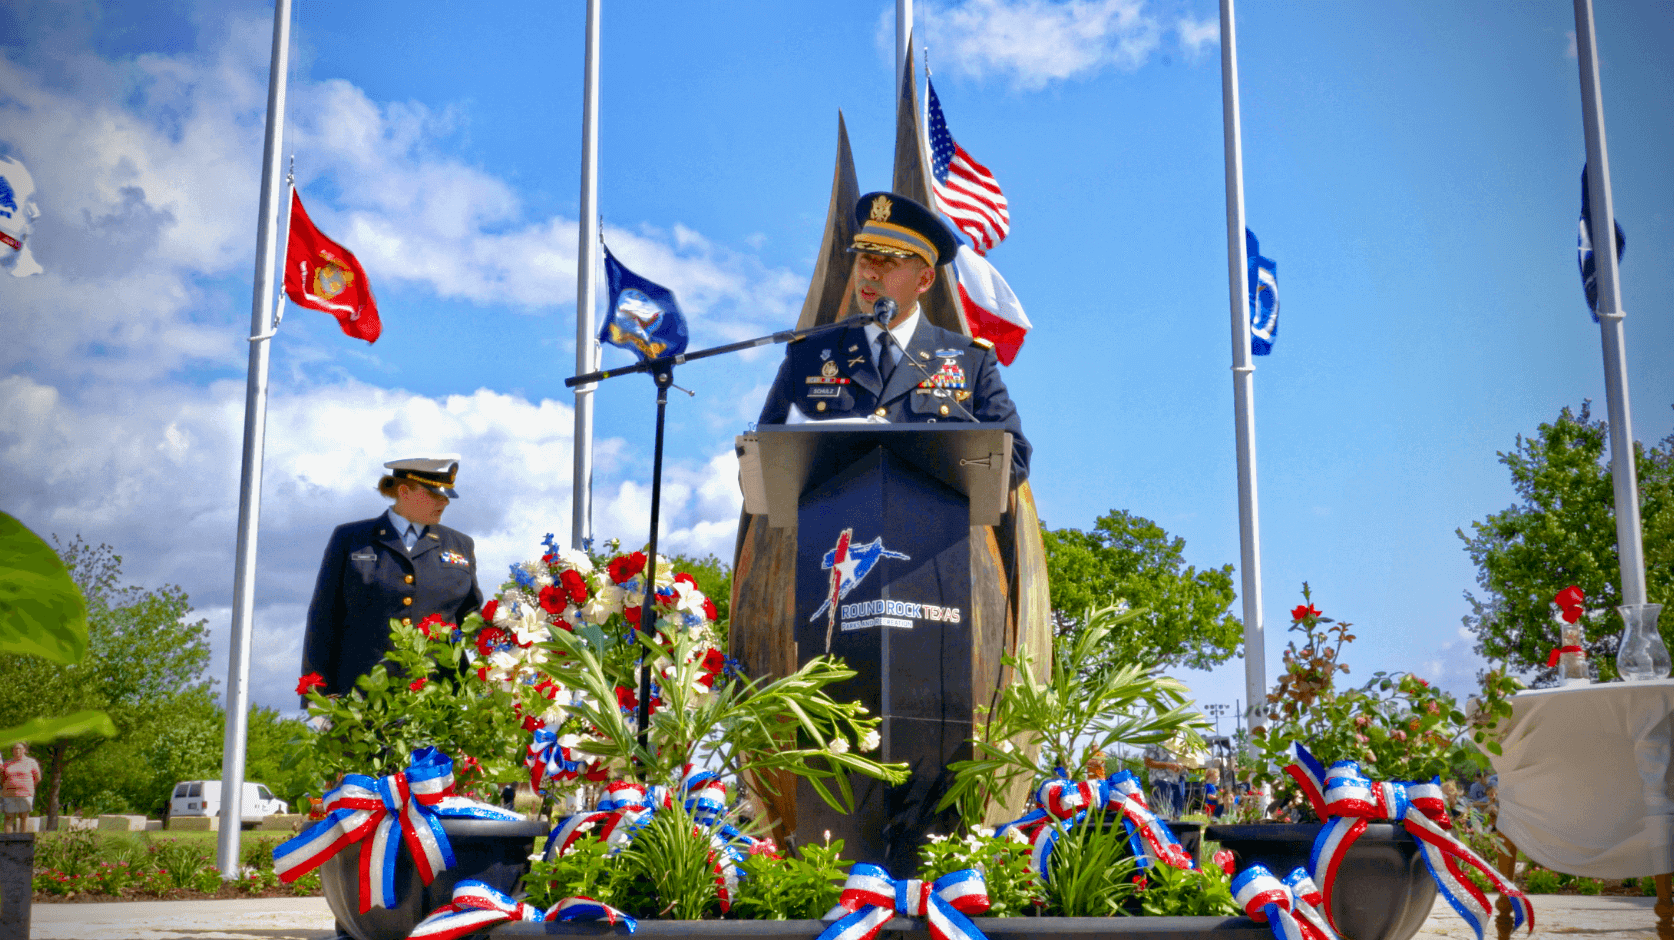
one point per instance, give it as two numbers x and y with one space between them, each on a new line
1594 918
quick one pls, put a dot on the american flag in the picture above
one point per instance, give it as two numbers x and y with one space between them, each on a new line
964 190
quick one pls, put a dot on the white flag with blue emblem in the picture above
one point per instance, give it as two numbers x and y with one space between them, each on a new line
1264 297
17 218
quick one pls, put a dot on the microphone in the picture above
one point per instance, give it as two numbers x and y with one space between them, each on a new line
883 312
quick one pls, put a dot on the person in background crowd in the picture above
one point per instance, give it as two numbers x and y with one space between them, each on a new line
1168 789
1212 793
22 774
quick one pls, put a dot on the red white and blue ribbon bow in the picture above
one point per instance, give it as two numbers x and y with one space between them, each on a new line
388 811
477 906
1289 907
627 807
1062 804
870 898
547 759
1349 801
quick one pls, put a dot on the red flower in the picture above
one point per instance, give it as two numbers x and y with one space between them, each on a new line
1300 612
1571 596
625 567
714 661
553 599
548 558
415 685
709 610
575 585
531 723
309 682
488 610
1140 880
764 847
488 638
633 614
1571 614
596 772
1224 859
482 673
434 621
683 576
626 699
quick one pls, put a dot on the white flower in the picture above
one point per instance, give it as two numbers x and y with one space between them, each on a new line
869 740
838 745
530 625
984 832
576 559
1016 835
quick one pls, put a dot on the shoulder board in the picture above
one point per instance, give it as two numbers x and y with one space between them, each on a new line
979 341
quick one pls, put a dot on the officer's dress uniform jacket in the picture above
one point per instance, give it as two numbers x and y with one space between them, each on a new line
836 376
367 578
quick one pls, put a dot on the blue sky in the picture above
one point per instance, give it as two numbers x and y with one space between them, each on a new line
1413 168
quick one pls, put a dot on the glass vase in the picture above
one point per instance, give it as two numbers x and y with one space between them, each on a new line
1642 654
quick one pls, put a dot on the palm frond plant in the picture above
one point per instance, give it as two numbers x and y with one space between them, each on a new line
1084 707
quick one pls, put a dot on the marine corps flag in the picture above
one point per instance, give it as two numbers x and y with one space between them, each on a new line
322 274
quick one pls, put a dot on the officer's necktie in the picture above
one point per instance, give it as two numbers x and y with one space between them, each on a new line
886 359
411 537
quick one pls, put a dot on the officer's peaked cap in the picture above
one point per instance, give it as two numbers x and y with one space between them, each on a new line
892 224
436 473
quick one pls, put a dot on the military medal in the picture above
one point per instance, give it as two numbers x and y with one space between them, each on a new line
828 375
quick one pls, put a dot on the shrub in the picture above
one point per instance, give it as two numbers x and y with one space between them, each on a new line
1541 881
803 887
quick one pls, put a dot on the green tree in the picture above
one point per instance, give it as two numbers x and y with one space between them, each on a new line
1562 531
1127 558
142 657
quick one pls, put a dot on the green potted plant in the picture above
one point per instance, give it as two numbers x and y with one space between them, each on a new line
1398 727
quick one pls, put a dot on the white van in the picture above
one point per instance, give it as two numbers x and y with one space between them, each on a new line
203 798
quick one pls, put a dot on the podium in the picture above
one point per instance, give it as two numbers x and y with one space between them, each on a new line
889 531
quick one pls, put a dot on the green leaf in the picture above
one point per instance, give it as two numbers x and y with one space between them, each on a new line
42 730
42 612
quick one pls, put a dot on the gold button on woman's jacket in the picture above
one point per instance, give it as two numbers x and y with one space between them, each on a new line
408 579
407 601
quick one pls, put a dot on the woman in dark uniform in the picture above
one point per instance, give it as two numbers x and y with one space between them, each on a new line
402 565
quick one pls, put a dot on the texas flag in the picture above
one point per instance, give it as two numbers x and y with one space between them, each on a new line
323 275
992 311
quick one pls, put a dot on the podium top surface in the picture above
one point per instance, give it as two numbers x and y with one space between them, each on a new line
972 459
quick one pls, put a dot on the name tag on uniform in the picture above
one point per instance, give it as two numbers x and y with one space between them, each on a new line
824 391
454 558
367 555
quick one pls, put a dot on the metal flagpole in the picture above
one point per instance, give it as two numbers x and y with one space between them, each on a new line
903 36
1243 379
250 484
586 285
1630 546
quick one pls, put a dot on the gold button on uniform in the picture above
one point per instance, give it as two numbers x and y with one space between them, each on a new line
821 406
944 409
406 621
406 602
408 579
880 412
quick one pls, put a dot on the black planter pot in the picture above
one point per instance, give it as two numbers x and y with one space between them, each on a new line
994 928
488 850
1384 891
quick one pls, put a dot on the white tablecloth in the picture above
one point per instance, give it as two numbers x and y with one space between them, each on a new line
1587 780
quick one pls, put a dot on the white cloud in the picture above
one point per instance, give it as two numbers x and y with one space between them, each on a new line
1033 43
1195 34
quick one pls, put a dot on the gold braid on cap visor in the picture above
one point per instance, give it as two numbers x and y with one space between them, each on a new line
887 238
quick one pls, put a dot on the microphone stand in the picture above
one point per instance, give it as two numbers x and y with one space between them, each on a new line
662 372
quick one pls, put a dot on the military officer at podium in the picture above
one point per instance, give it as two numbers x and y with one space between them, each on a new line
904 370
402 565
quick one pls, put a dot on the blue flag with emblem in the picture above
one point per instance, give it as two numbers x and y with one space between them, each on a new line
643 317
1584 248
1264 297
